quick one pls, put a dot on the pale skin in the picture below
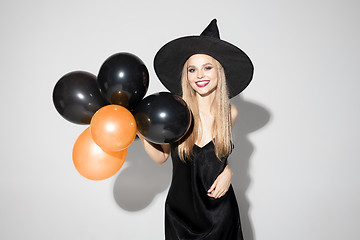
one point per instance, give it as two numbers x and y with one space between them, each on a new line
202 76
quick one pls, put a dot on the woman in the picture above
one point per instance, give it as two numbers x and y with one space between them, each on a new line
206 71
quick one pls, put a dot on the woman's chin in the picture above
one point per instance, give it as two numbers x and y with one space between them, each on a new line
204 92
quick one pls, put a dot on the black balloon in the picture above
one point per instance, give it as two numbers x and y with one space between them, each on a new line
123 80
76 97
162 117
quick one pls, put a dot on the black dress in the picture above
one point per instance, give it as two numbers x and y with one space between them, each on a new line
189 212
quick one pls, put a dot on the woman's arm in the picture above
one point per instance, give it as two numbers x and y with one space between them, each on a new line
222 183
157 152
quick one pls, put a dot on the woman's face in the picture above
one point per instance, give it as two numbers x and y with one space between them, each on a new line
202 74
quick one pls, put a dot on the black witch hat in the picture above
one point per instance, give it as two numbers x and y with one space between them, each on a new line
170 59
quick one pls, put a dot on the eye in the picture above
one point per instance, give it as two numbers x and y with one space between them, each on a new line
191 70
208 67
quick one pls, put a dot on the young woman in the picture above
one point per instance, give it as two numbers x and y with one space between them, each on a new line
206 71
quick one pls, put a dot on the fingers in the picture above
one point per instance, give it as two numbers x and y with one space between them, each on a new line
212 188
220 186
217 193
212 191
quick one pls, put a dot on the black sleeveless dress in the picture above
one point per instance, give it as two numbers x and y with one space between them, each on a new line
189 212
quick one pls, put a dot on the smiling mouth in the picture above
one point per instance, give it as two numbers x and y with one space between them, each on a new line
202 83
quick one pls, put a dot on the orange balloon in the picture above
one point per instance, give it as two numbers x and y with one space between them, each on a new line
92 162
113 128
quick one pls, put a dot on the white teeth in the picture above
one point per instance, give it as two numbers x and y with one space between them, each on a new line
202 83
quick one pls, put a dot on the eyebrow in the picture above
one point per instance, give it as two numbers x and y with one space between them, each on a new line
201 65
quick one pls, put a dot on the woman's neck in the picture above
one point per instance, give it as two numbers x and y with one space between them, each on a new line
205 102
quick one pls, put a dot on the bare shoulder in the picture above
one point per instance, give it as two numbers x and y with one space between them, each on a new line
234 113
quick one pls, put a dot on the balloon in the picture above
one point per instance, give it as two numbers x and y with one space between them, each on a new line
162 117
123 79
77 97
92 162
113 128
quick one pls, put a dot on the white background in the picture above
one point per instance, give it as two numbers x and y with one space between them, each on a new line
296 161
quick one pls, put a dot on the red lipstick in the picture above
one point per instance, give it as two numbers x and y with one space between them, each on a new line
202 83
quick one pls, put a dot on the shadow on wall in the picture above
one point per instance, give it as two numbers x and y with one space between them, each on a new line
251 117
141 180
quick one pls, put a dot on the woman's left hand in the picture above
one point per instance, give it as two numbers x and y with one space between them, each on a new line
221 184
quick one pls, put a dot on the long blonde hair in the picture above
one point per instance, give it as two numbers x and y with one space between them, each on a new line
221 129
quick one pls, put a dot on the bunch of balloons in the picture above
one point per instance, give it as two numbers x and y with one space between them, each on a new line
112 103
104 102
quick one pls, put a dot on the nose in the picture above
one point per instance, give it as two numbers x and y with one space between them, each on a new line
200 74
